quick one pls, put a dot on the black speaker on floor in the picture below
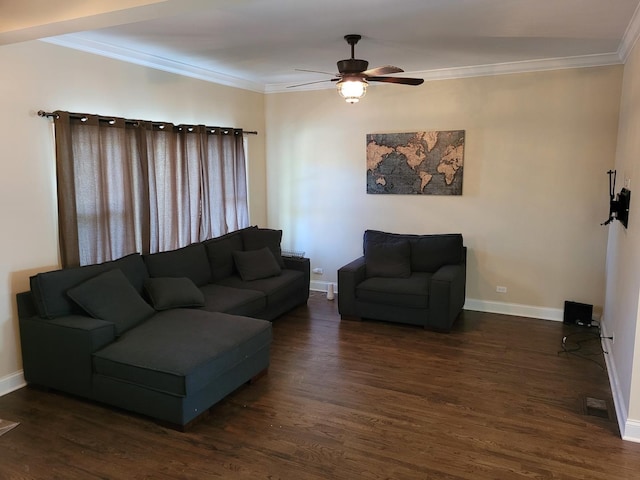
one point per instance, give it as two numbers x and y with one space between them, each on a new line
577 313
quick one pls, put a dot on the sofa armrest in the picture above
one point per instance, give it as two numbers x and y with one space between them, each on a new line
349 276
300 264
446 295
57 353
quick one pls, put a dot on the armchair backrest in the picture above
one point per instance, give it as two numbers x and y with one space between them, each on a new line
427 252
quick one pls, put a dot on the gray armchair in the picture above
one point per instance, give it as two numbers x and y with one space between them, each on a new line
414 279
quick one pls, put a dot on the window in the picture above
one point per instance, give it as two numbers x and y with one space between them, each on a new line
135 186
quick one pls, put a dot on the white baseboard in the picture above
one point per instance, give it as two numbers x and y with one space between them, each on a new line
12 382
322 286
629 428
516 309
519 310
632 431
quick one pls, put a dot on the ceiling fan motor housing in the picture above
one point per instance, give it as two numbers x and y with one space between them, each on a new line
352 65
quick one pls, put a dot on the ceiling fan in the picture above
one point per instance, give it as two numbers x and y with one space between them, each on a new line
353 76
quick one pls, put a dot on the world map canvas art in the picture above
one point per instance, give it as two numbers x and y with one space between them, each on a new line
422 163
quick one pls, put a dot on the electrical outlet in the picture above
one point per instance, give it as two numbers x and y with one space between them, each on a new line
501 289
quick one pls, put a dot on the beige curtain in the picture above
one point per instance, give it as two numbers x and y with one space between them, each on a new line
136 186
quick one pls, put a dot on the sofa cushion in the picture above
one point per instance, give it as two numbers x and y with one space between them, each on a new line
257 238
173 292
49 289
387 256
256 264
430 252
220 253
190 262
277 289
237 301
202 346
404 292
111 297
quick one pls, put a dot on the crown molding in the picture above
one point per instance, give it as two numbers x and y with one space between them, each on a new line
630 37
76 42
526 66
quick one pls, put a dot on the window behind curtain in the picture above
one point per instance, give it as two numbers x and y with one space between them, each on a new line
136 186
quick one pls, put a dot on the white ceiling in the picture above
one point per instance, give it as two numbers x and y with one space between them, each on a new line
259 44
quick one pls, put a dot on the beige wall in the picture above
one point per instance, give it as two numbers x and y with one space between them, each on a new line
535 189
622 314
38 75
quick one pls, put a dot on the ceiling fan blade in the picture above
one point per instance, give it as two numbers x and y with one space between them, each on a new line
311 83
403 81
314 71
383 70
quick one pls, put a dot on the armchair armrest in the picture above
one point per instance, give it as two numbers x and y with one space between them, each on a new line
57 353
349 276
446 295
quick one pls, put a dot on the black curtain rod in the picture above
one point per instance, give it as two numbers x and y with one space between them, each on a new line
42 113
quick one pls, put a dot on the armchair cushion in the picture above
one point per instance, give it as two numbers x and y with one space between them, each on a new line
111 297
430 252
387 256
406 292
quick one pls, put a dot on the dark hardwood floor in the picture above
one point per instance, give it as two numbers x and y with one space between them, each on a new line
356 400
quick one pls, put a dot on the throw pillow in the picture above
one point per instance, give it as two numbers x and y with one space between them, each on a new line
173 292
257 238
111 297
388 258
49 289
256 264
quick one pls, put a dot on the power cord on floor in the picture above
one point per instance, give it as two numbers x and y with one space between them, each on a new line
578 344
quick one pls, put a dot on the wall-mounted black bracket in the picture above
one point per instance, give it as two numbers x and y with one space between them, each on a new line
618 204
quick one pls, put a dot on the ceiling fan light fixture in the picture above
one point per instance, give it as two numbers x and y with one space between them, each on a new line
352 89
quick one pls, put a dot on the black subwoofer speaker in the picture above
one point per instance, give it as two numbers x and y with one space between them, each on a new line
577 313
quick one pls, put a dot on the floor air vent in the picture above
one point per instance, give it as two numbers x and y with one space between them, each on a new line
596 407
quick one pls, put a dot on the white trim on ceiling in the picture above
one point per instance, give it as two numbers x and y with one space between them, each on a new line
630 37
132 56
485 70
152 61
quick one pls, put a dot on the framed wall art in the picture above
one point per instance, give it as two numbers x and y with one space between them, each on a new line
418 163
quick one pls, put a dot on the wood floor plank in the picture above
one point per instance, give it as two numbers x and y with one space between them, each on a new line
350 400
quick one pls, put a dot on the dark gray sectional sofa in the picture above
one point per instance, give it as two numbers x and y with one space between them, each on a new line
166 335
415 279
